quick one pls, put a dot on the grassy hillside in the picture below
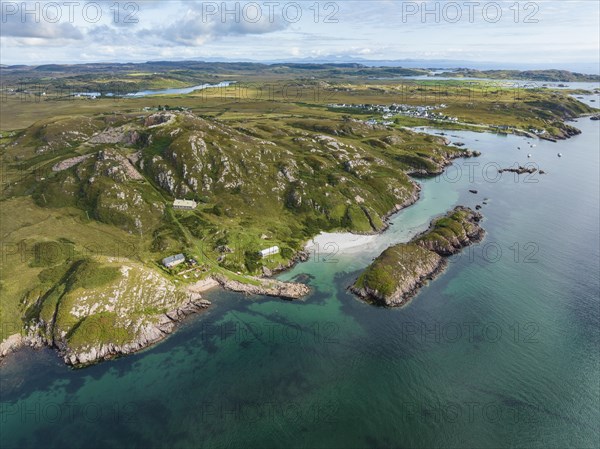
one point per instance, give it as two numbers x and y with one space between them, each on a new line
90 183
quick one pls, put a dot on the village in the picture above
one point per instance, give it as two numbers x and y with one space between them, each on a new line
394 110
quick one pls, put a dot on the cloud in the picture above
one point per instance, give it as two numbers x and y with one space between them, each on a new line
14 26
198 27
371 29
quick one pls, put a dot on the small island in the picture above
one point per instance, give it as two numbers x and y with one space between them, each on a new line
401 270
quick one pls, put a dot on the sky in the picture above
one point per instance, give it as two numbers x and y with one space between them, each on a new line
541 32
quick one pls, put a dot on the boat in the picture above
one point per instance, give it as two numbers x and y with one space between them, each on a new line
529 155
559 154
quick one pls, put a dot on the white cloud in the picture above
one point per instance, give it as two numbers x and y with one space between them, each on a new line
196 28
369 29
15 26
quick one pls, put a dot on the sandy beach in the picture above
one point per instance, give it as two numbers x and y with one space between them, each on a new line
342 243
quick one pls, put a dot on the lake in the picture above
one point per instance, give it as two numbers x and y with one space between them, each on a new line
150 93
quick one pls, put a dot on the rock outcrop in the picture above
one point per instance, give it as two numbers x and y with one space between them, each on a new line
450 234
11 344
266 287
147 335
116 135
401 270
521 170
437 167
100 345
105 308
68 163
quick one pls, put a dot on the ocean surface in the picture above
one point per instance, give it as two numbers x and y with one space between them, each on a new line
501 351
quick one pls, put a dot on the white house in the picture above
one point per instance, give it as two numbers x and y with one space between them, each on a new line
173 261
269 251
185 204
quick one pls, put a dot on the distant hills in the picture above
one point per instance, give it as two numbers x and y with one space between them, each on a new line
359 67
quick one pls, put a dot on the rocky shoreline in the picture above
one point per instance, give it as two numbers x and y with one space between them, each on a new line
161 327
448 160
167 323
399 272
147 335
299 257
266 287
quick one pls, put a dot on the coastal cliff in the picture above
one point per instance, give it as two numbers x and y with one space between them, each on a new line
121 309
401 270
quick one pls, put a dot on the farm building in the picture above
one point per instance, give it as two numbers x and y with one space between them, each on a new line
173 261
185 204
269 251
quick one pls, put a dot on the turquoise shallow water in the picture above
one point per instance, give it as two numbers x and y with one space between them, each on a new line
500 351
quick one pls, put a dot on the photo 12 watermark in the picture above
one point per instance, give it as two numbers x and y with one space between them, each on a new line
71 12
451 12
472 332
469 412
269 11
249 412
243 332
70 412
49 253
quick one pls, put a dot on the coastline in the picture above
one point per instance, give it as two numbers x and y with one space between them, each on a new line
168 322
164 325
412 264
159 332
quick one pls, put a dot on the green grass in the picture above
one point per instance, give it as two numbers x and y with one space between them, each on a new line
266 172
102 328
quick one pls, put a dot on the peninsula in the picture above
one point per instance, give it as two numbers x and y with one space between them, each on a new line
401 270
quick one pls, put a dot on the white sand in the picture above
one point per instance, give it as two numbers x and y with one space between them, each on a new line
343 243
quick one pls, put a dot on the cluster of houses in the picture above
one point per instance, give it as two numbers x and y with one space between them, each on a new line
178 259
427 112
